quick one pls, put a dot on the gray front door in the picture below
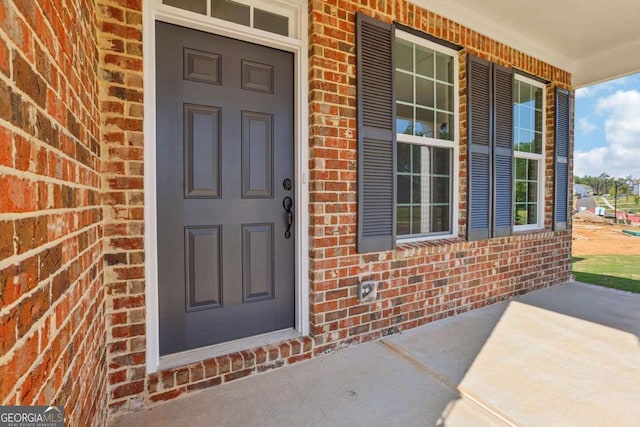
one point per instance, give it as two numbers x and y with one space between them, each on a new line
224 177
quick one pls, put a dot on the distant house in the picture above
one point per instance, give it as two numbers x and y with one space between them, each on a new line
582 190
635 188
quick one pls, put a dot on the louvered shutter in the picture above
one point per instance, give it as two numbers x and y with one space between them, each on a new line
561 159
479 125
502 151
376 135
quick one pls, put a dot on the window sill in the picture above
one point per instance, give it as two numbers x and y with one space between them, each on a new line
450 240
416 244
530 230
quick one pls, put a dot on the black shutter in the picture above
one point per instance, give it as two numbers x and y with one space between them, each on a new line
376 135
561 159
503 151
480 129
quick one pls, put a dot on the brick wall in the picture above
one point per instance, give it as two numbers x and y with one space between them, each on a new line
52 339
120 59
425 281
71 211
420 282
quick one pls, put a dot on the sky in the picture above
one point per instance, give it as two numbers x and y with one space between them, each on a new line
607 128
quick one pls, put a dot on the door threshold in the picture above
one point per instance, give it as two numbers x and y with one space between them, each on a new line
203 353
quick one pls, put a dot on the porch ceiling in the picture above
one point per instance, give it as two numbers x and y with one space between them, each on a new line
595 40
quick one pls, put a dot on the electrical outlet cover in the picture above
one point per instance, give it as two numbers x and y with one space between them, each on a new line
368 291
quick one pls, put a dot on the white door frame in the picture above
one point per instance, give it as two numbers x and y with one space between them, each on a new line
154 10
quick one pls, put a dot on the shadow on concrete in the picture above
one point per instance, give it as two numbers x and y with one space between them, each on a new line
567 355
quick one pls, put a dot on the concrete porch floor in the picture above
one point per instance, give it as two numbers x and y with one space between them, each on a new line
563 356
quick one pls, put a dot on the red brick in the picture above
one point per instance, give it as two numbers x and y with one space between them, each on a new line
6 241
4 57
117 377
238 374
167 395
128 389
28 81
125 63
210 368
32 309
18 279
204 384
21 195
8 330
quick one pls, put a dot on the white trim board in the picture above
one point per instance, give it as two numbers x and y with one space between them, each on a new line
155 11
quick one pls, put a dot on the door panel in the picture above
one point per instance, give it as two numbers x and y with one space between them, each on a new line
202 151
224 147
257 155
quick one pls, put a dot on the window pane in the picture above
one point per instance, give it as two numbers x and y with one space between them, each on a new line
417 189
532 173
403 216
528 117
424 122
198 6
532 213
424 61
418 157
526 191
537 97
525 141
424 92
532 192
231 11
404 87
404 157
521 169
404 189
441 217
520 214
521 191
525 115
537 147
538 121
525 93
429 184
444 97
417 219
404 55
271 22
404 119
441 190
441 161
444 68
445 126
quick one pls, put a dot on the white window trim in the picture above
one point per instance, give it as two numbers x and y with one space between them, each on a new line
153 11
534 156
434 142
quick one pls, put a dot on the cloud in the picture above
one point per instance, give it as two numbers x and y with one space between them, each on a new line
591 91
620 157
585 125
584 92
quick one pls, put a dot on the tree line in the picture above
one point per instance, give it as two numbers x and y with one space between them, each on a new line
605 184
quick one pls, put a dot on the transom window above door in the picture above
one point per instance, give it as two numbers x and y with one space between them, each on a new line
249 14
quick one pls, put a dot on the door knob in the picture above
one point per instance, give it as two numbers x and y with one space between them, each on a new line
287 204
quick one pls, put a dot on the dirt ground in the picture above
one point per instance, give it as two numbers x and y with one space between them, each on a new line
604 239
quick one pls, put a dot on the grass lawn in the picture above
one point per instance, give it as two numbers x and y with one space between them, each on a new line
613 271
